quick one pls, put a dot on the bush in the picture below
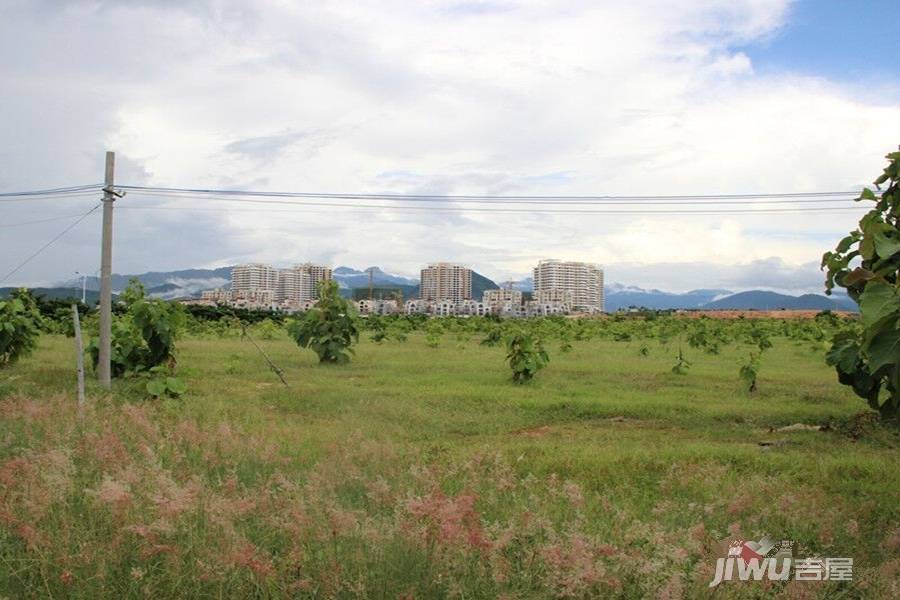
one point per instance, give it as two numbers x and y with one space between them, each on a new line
526 356
143 337
20 325
329 328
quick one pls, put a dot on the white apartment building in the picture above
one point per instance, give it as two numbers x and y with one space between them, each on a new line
252 277
377 307
216 296
417 307
583 280
502 296
546 309
445 281
254 299
473 308
554 296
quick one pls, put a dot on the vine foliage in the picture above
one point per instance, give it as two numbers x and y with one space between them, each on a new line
866 263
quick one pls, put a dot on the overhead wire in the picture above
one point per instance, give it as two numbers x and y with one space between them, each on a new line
451 197
699 208
36 221
53 191
51 242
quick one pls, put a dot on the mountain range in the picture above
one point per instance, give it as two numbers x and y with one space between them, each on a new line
190 282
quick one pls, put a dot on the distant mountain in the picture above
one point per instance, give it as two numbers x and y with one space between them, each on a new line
480 283
351 278
619 296
57 293
523 285
190 282
761 300
166 284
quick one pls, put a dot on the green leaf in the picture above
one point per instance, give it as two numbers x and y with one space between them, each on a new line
878 301
156 387
176 386
884 348
885 246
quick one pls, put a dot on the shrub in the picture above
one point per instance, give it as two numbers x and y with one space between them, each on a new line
681 364
329 328
750 371
526 356
162 384
143 337
20 324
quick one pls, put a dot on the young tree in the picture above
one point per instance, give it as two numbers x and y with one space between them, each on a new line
329 328
526 356
868 360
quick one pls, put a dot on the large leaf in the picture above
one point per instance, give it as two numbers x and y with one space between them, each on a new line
885 246
884 347
878 301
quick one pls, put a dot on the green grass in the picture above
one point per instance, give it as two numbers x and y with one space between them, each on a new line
608 475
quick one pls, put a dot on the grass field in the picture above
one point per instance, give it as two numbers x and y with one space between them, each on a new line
422 472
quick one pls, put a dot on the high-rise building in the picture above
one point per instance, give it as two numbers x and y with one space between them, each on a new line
583 280
253 277
310 277
297 284
292 285
446 281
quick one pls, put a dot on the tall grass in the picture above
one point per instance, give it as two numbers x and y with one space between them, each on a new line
421 473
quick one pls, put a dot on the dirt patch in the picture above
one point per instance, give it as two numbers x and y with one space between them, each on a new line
533 432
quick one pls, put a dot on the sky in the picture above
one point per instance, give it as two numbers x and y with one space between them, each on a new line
469 97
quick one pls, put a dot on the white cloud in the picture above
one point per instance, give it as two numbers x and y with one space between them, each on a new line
447 97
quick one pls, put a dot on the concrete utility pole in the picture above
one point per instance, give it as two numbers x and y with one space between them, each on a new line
103 367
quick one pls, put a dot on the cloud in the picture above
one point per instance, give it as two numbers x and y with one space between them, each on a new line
264 148
493 97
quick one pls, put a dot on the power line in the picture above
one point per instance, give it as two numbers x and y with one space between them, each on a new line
454 198
50 243
495 200
795 210
35 222
30 199
51 191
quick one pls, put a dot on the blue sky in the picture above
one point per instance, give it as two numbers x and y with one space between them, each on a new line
844 40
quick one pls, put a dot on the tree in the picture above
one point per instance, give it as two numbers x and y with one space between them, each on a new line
20 323
868 358
329 328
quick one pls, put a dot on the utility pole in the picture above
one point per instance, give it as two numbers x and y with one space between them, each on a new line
103 367
83 287
371 270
